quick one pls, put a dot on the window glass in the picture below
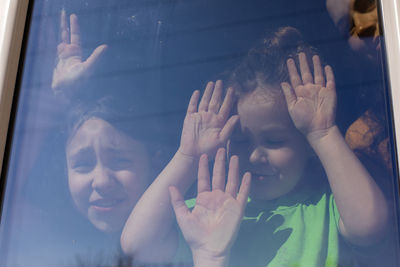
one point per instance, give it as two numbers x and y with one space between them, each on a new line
202 133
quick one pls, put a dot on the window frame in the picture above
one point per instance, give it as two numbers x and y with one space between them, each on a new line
12 27
390 13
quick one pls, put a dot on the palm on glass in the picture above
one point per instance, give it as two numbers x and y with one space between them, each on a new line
206 126
211 227
70 66
311 99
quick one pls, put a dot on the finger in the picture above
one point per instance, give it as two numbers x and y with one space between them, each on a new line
64 27
218 179
244 189
318 73
94 57
205 100
75 35
215 102
178 204
233 177
61 49
194 100
227 104
293 74
330 78
203 181
228 129
304 69
289 94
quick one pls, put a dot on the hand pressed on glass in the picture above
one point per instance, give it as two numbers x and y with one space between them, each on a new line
211 227
70 66
311 100
206 126
312 105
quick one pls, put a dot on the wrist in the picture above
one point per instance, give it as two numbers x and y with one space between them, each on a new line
65 92
182 153
205 259
325 144
316 137
182 159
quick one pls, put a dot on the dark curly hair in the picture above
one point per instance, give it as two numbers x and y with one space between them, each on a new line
266 62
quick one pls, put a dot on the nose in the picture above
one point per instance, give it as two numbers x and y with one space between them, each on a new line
258 155
103 180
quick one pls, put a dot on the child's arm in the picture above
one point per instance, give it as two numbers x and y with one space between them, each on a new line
149 233
311 103
211 227
70 68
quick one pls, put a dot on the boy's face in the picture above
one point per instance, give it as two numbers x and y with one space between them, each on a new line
107 173
269 145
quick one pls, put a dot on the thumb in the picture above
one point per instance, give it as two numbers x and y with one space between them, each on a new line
228 128
94 57
178 204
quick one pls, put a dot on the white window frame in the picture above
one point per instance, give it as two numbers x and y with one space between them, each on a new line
12 24
391 25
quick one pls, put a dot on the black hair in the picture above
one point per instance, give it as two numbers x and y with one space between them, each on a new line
127 106
266 62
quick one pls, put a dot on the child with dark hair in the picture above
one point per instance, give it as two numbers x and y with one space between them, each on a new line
99 167
111 159
111 144
308 188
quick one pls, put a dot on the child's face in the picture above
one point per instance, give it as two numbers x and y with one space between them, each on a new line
269 145
107 173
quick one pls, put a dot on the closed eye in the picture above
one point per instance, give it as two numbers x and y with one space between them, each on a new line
275 143
120 163
83 161
83 166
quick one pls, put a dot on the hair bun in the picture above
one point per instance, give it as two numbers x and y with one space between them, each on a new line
285 38
265 63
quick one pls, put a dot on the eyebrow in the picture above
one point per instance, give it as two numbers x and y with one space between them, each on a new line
124 150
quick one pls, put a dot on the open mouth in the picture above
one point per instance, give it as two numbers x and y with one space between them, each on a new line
263 176
105 204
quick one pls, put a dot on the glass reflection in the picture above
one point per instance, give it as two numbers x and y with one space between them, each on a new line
117 105
107 173
301 168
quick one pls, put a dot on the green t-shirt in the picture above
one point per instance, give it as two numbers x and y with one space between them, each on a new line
297 230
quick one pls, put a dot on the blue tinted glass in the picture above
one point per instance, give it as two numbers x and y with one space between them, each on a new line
202 133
